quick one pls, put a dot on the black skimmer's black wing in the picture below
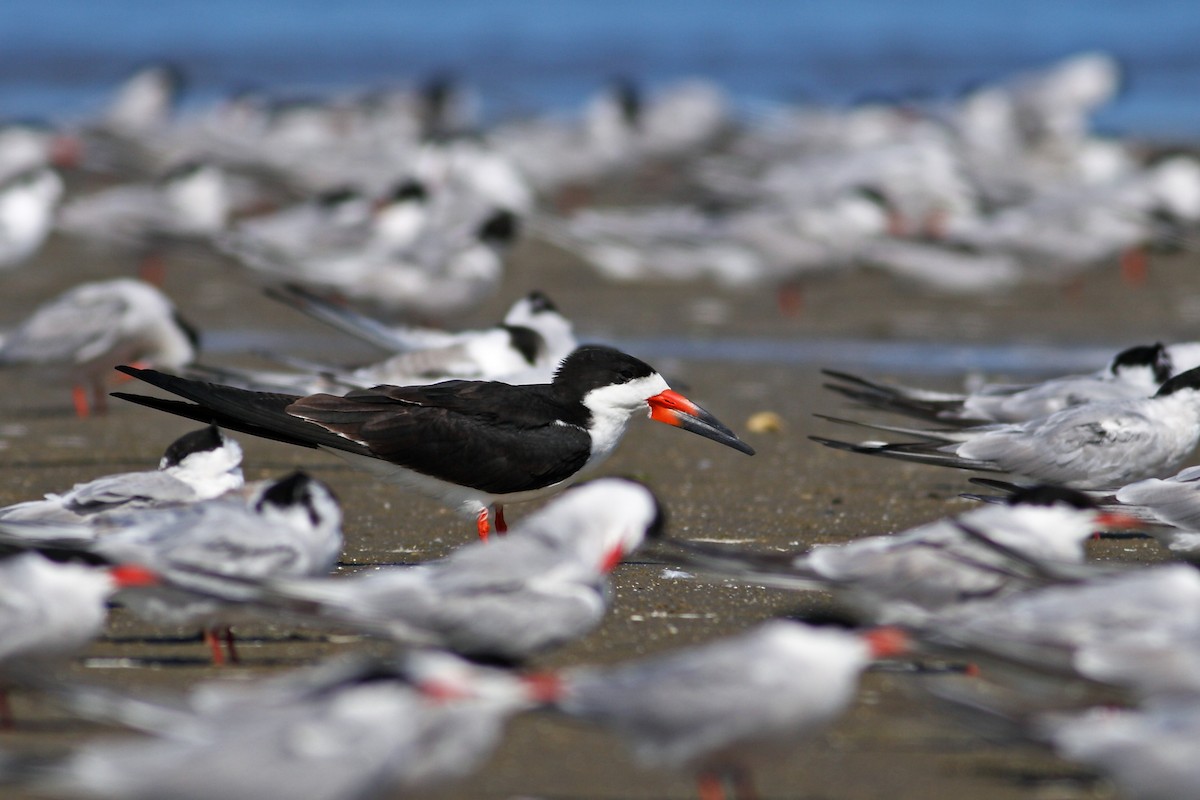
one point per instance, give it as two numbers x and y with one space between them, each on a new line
262 414
489 436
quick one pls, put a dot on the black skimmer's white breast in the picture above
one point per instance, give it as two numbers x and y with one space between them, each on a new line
470 444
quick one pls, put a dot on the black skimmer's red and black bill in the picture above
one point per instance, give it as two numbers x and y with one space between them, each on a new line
474 445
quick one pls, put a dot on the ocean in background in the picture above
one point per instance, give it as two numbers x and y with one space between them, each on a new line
60 58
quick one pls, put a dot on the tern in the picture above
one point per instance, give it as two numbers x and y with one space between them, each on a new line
474 445
197 466
525 348
1090 446
716 707
27 203
353 728
1134 372
286 527
91 328
541 586
903 577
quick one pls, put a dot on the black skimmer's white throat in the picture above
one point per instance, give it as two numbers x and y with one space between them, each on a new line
474 445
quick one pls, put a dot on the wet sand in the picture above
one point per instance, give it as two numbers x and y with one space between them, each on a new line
894 743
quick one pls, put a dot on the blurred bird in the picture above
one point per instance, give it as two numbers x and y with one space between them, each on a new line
197 466
49 611
349 729
720 707
89 329
1135 372
286 527
541 586
904 577
1090 446
27 203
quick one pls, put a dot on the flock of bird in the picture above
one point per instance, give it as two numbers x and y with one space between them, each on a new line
402 205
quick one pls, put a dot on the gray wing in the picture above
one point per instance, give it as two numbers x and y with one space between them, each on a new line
77 327
1175 501
130 490
1099 448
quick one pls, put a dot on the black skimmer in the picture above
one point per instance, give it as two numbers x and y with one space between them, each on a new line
471 444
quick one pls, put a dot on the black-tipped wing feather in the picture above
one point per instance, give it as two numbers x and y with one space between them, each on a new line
489 436
262 414
493 437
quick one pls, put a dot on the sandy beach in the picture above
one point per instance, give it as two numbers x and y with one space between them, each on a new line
894 743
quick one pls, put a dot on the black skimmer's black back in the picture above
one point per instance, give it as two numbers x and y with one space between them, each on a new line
472 444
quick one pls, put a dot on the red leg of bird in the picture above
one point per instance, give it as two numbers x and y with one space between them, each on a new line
214 646
230 645
790 298
79 399
481 524
709 786
1135 266
153 269
498 516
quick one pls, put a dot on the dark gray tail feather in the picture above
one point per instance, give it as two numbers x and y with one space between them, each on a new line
262 414
898 400
942 435
1008 487
918 452
944 413
349 322
729 561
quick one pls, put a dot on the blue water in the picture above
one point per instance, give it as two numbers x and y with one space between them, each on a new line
59 57
867 355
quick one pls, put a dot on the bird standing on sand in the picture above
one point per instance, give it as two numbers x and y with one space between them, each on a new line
474 445
93 327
